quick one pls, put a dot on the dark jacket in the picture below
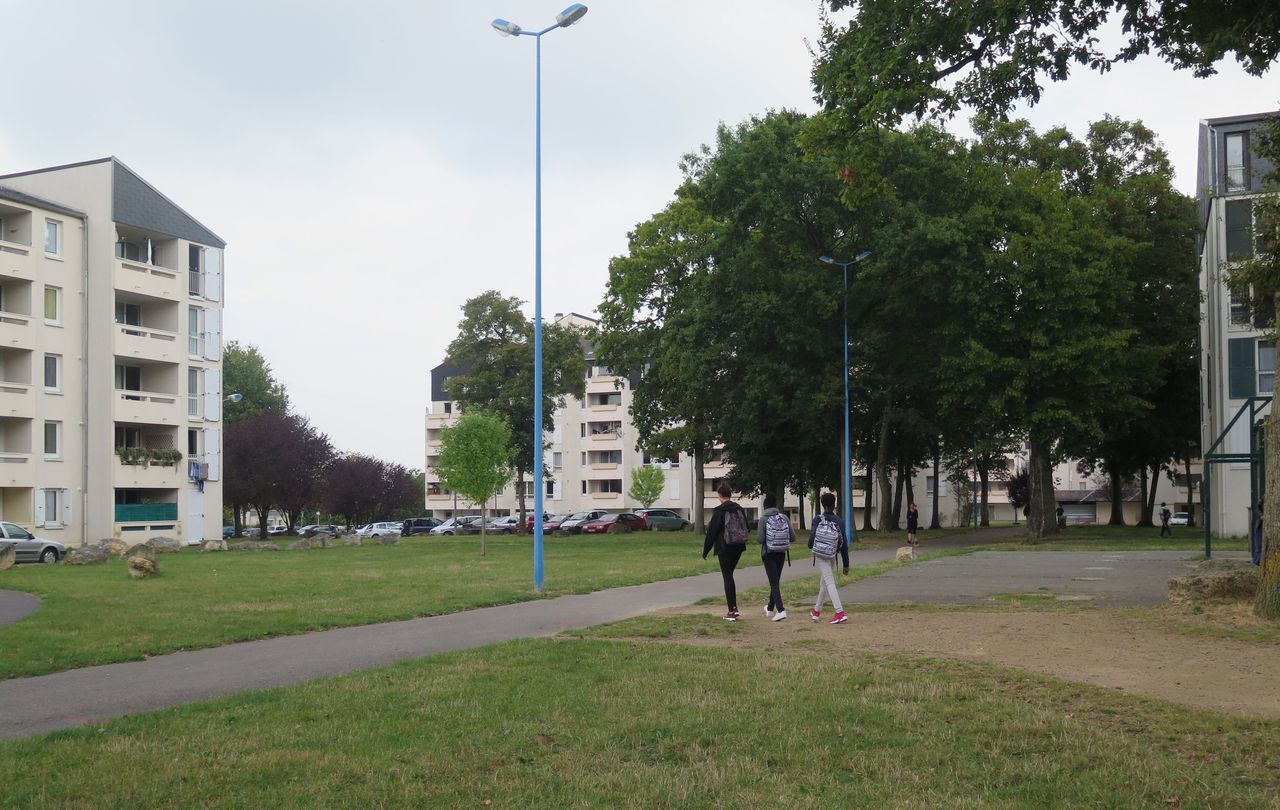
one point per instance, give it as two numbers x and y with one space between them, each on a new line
715 528
844 541
913 520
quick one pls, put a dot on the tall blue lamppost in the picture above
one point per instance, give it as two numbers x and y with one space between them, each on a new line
564 19
846 494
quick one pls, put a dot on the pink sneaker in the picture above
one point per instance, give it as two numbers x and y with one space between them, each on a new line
731 616
815 615
839 618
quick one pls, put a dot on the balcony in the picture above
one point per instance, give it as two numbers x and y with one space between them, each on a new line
440 497
604 408
17 400
604 465
144 518
15 331
144 343
439 420
603 384
17 261
148 279
16 470
605 496
143 407
150 476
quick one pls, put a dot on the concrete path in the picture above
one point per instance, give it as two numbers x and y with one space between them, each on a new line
1104 577
16 604
78 697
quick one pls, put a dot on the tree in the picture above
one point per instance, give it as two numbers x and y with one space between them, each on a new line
363 489
475 460
1257 282
647 482
246 372
899 58
274 460
495 345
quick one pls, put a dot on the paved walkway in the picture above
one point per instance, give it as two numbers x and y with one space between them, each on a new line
16 604
78 697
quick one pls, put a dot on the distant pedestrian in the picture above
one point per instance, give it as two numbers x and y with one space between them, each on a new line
1165 514
776 536
1062 518
1256 538
727 535
913 524
826 539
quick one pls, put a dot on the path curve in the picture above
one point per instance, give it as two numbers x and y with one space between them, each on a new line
16 604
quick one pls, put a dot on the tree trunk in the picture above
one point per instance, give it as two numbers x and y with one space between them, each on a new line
911 489
896 519
1267 602
1043 505
1191 507
984 495
484 524
519 500
237 518
699 483
882 478
1150 483
263 512
800 509
1116 490
936 521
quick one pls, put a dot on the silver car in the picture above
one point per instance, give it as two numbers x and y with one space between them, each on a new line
28 547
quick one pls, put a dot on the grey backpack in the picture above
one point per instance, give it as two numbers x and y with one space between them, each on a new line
826 538
777 532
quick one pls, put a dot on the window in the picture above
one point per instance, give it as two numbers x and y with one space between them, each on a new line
929 484
52 237
584 459
53 508
557 461
53 440
584 487
130 314
611 485
195 380
128 437
1266 368
448 407
1241 369
194 437
583 426
550 488
195 278
53 373
1237 170
128 378
195 331
53 305
1239 216
1239 312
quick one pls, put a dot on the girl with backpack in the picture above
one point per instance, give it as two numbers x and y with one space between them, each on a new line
826 539
727 534
776 536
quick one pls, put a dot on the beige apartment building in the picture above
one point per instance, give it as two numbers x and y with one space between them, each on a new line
110 358
1238 365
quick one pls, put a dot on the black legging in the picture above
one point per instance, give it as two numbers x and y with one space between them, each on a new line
729 556
773 562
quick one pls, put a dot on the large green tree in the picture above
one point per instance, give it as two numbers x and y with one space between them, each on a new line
495 346
246 372
475 460
899 58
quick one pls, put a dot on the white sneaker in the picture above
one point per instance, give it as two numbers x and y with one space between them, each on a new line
768 612
782 614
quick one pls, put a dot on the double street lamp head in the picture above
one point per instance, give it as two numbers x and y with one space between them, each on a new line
862 254
564 19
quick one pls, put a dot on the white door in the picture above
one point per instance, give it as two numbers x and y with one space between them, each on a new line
195 517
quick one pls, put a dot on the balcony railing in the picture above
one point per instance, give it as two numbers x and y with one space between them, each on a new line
148 279
16 260
146 343
14 330
16 400
16 470
148 407
145 512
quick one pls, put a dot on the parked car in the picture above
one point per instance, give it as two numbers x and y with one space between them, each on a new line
606 522
573 523
276 531
379 529
504 525
29 548
228 532
1180 519
464 524
664 519
250 532
421 525
528 521
311 531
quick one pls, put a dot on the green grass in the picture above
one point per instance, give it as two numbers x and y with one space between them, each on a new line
1123 538
96 614
595 723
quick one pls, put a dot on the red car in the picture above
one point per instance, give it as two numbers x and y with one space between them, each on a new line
603 523
547 521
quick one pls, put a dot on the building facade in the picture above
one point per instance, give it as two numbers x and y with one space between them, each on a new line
110 358
1237 363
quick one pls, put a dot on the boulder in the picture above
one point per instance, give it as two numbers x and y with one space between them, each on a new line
8 556
299 545
142 551
139 566
114 546
87 555
389 539
1220 580
321 540
906 554
165 545
351 540
253 545
214 545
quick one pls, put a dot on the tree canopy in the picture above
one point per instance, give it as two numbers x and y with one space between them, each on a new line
475 459
246 372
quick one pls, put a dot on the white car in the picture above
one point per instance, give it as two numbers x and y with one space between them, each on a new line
29 548
464 524
1180 519
378 529
504 525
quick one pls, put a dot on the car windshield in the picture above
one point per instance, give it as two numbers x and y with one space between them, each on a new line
606 518
577 516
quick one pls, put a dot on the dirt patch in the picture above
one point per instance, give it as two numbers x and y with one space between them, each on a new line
1141 652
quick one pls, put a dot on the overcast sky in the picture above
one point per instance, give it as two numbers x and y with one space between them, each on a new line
370 165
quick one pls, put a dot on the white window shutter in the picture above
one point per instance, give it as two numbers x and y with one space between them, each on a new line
213 334
213 452
40 507
942 488
66 507
673 488
212 394
213 274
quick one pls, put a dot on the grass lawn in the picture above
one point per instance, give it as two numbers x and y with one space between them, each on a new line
95 614
1124 538
636 723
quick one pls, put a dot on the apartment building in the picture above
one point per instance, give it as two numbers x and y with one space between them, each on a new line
591 456
1237 363
110 358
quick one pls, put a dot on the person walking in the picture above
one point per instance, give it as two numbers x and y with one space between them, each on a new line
826 539
913 524
727 536
1165 514
776 535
